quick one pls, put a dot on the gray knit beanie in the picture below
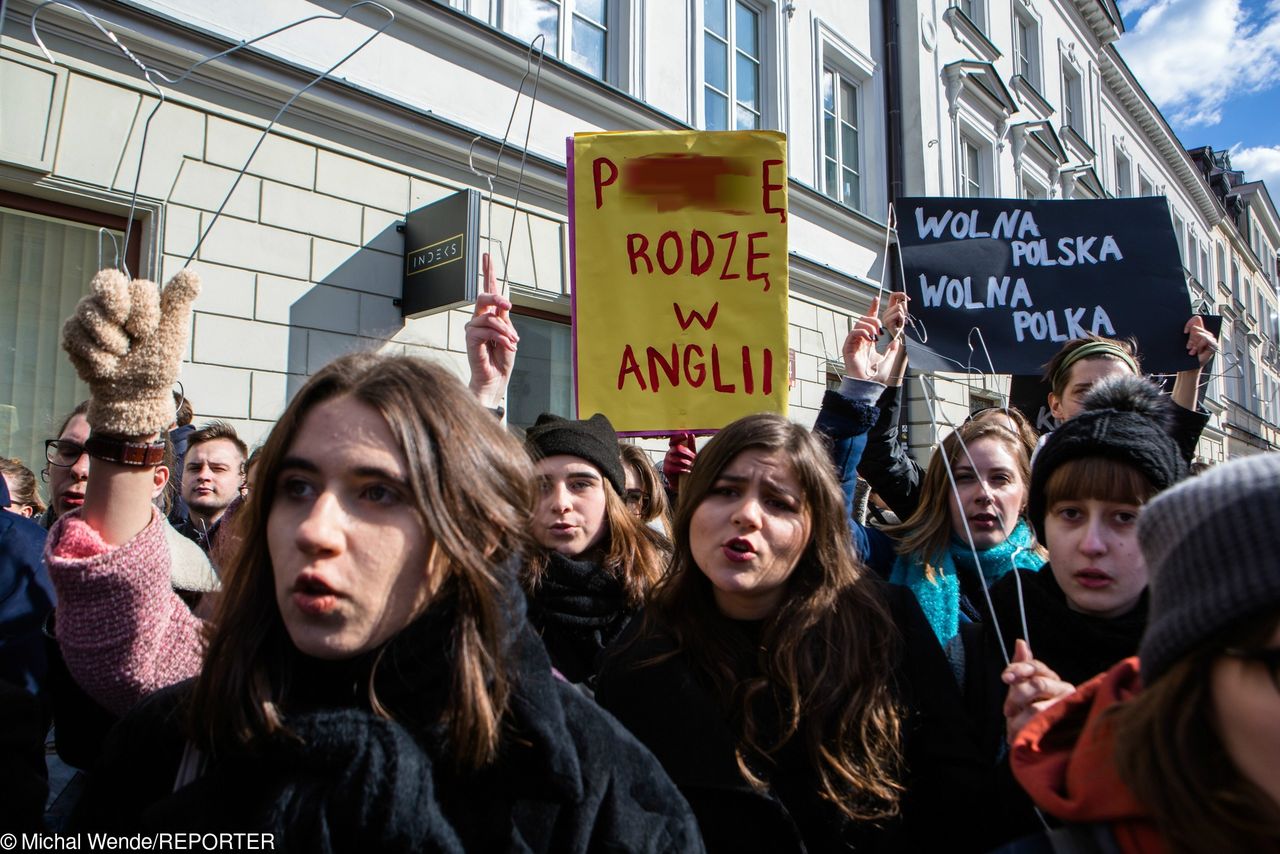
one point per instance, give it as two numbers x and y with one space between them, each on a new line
1212 545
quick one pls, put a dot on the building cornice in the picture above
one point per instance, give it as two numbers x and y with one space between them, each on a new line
1116 74
1103 18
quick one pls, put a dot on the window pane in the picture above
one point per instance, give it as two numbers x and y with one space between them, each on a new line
587 47
747 76
593 9
529 18
829 135
717 21
851 189
45 267
848 104
717 110
745 119
542 380
830 184
828 91
746 37
716 64
849 147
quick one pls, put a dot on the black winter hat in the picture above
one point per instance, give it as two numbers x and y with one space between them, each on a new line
1125 418
1211 545
593 440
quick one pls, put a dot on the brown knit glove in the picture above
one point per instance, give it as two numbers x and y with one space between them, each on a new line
126 340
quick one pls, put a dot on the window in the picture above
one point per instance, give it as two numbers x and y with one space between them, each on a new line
731 65
973 11
1179 234
542 380
48 253
1124 175
841 157
970 183
1026 47
1072 100
576 30
1145 185
1032 190
1205 273
1222 263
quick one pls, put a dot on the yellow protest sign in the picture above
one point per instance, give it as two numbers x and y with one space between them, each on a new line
679 253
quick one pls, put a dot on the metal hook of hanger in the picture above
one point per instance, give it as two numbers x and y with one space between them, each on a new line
151 74
115 247
538 45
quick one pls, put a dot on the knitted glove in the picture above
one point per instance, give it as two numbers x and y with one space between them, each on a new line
126 340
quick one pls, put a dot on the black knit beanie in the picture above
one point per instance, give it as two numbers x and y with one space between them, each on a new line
593 440
1125 418
1212 546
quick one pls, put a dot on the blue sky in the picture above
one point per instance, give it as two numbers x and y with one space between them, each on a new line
1213 67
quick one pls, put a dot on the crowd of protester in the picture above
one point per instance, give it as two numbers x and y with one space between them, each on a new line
400 624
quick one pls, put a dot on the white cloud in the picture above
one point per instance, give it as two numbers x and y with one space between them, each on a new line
1259 163
1192 55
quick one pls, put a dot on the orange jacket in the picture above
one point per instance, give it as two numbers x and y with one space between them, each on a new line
1064 758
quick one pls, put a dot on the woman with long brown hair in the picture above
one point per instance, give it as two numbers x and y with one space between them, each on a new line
370 681
771 676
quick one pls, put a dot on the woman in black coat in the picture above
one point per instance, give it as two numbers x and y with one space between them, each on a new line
798 705
370 681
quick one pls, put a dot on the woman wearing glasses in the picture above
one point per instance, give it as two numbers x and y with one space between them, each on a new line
645 496
1178 750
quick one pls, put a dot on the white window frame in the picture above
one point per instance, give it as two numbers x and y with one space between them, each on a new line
968 140
616 36
1123 173
1145 180
1180 234
976 12
768 88
1073 98
1025 16
836 53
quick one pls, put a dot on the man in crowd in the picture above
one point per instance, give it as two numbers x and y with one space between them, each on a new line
212 475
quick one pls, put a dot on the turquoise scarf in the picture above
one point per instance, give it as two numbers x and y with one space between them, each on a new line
940 598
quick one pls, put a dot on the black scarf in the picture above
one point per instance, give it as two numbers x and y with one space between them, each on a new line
580 608
1078 646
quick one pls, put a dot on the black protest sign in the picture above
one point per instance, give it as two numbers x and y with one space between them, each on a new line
1031 275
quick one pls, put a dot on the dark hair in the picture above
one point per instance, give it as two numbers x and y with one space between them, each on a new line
1169 752
1057 377
471 484
1100 478
655 506
82 408
185 413
840 706
211 430
23 490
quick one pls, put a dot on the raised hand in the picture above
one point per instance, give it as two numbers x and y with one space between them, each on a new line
679 459
895 316
491 341
1201 343
126 341
1033 687
861 360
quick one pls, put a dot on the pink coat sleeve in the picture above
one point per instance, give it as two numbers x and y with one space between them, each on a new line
124 633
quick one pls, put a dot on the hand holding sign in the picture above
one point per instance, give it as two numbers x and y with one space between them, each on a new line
1201 343
861 361
491 341
678 462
